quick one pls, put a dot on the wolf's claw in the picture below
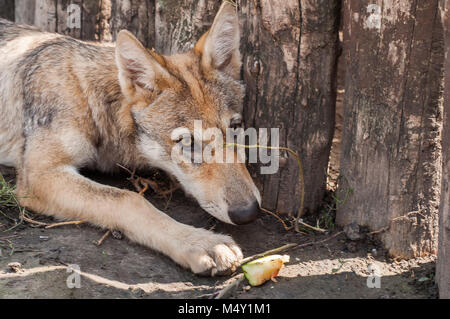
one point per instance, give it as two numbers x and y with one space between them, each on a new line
212 254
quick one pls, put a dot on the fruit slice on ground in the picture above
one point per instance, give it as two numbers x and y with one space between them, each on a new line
263 269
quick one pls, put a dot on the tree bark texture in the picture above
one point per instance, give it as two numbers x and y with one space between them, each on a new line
137 16
99 19
169 26
179 24
61 16
443 263
391 154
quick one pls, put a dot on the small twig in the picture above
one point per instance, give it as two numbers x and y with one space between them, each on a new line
320 230
169 191
210 295
137 181
74 222
228 290
379 230
385 228
48 226
168 201
272 251
10 218
277 217
21 213
320 241
288 246
123 167
7 237
101 240
34 222
143 190
147 182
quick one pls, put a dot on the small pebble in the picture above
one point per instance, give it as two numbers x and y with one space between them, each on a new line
352 231
117 234
15 266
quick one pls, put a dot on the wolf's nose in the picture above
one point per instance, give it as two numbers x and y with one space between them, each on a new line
245 215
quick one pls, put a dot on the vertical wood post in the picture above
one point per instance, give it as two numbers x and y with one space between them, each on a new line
443 262
391 154
289 66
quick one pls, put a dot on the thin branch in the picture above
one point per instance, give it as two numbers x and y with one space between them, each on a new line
320 230
385 228
289 246
277 217
320 241
228 290
101 240
74 222
272 251
34 222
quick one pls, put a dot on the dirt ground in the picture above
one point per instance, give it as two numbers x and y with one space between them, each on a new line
121 269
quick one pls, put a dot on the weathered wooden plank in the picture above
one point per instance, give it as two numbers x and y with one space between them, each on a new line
137 16
443 263
179 24
392 122
289 57
45 15
69 14
77 18
24 11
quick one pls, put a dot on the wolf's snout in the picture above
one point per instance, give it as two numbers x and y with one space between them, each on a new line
245 215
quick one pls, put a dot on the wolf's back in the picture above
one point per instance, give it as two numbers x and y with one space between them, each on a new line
48 78
15 42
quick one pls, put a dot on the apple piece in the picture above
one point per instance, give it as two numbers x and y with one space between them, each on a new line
263 269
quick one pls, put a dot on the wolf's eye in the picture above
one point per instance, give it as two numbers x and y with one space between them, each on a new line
236 123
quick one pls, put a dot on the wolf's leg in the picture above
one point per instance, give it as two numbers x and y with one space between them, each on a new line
62 192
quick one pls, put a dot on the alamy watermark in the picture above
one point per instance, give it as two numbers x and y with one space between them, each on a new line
73 16
74 279
374 279
374 19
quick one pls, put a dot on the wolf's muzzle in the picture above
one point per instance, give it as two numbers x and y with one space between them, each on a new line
245 215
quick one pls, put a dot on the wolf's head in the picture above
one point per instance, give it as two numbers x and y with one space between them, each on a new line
166 94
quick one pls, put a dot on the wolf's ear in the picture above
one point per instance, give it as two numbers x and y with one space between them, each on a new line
219 47
138 68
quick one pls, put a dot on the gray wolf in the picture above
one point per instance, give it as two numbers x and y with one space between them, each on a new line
67 104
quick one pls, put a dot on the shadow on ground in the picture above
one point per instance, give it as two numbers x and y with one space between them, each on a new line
121 269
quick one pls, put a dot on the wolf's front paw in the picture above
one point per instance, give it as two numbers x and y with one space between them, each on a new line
209 254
